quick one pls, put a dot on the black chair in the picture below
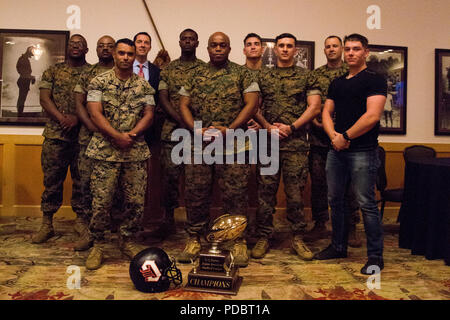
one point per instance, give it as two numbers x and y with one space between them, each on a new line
392 195
396 195
418 152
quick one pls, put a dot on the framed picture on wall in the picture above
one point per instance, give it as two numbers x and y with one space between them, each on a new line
442 92
24 56
392 63
304 57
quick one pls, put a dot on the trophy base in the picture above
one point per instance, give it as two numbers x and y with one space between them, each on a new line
212 282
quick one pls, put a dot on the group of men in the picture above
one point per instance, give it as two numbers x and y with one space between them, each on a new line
114 101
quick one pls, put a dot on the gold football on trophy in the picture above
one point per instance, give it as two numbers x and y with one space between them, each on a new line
227 228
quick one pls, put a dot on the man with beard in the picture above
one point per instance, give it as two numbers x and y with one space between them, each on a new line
60 146
105 48
121 105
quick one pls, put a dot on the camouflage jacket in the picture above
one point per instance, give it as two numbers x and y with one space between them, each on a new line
173 77
284 92
323 76
85 135
123 105
61 80
217 95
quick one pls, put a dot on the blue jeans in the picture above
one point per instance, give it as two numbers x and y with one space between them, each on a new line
359 169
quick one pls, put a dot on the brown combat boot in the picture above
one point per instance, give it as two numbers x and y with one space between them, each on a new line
95 258
85 241
240 253
45 232
260 249
301 248
80 225
128 247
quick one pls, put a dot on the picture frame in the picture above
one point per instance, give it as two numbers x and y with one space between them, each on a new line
304 58
24 56
392 63
442 92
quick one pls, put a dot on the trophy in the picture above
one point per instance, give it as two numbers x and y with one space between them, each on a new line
214 271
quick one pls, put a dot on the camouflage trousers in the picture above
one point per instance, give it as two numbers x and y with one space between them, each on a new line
85 168
56 158
319 188
293 166
106 178
171 173
233 183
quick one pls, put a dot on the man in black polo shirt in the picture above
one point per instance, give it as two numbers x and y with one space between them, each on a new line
357 99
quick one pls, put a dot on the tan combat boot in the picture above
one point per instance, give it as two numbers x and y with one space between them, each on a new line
45 232
128 247
301 249
260 249
240 253
191 251
85 241
95 258
80 225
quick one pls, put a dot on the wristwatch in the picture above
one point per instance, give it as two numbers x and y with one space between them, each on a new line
293 128
345 135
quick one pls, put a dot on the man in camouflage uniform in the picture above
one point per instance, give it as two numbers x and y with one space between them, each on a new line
320 145
222 95
172 79
121 106
60 145
253 52
105 48
290 101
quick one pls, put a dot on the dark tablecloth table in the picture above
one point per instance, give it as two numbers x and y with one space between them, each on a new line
425 209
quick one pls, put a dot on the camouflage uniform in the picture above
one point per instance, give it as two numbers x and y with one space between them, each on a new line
320 145
86 164
216 99
126 169
284 92
172 79
59 149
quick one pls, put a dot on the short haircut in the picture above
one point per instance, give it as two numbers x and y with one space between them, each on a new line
333 36
285 35
79 35
189 30
252 35
357 37
144 33
125 41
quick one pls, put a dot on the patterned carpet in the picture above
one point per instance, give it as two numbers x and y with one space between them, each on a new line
40 272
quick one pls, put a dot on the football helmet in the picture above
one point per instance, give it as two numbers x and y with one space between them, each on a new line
151 270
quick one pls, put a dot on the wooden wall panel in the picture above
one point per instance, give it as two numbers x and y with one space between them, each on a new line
1 174
21 179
